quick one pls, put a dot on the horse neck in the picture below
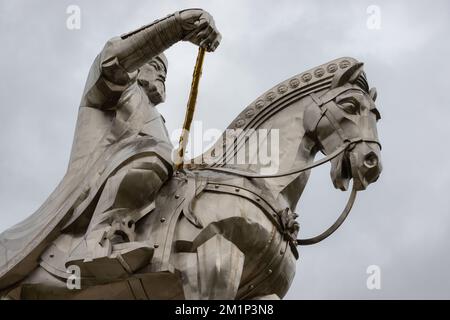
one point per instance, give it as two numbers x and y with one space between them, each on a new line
295 150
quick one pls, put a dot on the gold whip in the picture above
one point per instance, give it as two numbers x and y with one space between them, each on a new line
190 109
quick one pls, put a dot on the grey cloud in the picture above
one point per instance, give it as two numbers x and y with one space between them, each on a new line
402 223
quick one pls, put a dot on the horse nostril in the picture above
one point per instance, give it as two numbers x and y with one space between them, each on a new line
371 160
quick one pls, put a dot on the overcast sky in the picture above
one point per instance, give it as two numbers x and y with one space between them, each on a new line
401 223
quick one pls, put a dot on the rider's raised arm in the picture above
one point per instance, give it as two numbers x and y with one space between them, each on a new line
135 48
113 68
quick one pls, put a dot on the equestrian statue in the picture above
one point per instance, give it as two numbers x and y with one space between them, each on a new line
133 219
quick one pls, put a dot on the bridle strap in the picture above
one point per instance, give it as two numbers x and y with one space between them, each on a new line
322 102
323 106
315 164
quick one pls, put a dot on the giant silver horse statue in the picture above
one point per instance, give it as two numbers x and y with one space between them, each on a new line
126 223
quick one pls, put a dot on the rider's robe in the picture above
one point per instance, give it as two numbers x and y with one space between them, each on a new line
116 123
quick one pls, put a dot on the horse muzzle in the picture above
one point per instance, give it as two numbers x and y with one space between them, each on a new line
365 164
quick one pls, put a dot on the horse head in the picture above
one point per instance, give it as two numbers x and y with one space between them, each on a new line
346 114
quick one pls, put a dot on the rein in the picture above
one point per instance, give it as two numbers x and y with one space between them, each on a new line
335 225
313 165
348 206
320 102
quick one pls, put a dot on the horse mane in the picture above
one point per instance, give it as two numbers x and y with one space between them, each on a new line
271 103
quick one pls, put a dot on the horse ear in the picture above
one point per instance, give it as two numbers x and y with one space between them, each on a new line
373 93
347 76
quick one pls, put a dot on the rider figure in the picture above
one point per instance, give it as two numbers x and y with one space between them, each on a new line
125 83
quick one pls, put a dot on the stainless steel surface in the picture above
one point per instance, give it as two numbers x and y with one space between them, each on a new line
138 229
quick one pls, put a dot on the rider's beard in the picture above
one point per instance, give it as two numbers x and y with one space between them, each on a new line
156 92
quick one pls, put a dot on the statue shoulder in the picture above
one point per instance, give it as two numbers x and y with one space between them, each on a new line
106 82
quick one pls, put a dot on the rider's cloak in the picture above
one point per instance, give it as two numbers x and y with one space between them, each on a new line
103 143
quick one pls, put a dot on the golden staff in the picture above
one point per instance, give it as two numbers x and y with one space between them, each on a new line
190 109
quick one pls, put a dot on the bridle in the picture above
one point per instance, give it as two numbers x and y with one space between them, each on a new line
347 144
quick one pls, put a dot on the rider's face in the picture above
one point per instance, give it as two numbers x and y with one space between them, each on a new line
152 78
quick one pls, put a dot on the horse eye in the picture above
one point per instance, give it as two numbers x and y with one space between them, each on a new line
349 107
